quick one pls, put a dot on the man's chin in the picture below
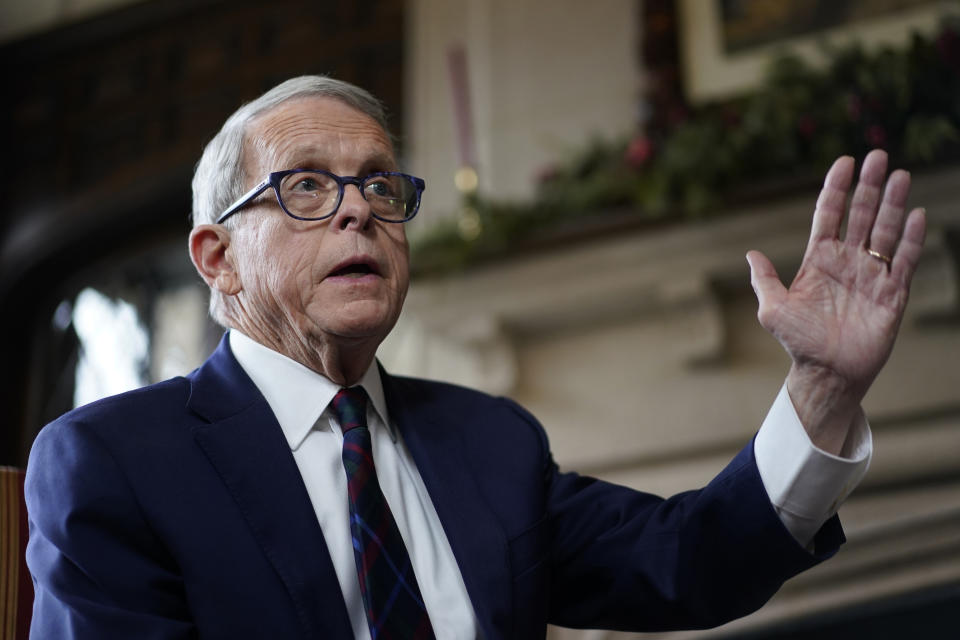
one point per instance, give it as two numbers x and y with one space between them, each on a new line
360 327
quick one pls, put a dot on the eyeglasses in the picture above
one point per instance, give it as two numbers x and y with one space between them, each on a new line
313 194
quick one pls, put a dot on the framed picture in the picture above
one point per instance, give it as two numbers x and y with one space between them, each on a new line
726 45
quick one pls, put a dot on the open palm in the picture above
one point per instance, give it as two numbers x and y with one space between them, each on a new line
839 317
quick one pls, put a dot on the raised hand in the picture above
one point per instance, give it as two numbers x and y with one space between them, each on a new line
840 316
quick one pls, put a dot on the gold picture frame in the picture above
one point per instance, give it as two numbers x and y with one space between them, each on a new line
711 72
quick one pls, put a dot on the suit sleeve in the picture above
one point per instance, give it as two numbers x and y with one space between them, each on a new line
626 560
99 571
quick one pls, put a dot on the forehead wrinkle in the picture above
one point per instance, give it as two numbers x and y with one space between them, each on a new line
287 136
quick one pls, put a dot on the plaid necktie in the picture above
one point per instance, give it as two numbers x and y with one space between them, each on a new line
390 593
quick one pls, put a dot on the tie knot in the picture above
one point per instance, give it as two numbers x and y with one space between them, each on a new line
350 405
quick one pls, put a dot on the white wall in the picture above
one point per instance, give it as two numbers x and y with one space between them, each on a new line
543 77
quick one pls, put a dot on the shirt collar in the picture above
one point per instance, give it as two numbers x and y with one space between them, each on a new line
297 395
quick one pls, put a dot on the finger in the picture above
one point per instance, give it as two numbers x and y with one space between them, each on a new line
832 200
889 223
911 244
766 284
866 197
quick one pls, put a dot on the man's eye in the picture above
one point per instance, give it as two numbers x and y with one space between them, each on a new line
380 189
306 184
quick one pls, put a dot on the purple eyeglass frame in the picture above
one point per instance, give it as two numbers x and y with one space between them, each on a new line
273 180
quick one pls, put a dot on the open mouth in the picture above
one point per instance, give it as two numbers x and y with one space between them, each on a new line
355 270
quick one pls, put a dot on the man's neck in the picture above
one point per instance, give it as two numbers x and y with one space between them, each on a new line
343 361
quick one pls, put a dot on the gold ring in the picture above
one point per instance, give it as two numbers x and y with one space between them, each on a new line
880 256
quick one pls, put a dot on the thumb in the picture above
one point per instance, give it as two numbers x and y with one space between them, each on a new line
766 284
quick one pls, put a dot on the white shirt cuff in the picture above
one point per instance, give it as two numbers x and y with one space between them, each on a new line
807 485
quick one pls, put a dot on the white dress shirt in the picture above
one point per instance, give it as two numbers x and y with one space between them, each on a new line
804 484
300 401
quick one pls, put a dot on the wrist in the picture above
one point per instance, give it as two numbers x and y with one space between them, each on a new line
825 403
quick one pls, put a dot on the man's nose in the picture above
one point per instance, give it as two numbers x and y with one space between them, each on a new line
354 210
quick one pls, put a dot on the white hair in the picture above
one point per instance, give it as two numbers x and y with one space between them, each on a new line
219 176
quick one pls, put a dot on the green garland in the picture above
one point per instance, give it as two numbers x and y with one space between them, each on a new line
781 135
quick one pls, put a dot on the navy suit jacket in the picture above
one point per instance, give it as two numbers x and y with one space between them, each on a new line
177 511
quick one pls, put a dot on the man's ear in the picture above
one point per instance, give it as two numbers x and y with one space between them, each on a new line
211 255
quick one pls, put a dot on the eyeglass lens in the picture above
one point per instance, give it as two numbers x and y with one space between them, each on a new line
309 194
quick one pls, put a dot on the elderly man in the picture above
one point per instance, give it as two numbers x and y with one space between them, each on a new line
291 488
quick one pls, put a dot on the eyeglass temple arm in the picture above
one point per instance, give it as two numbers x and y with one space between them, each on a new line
242 201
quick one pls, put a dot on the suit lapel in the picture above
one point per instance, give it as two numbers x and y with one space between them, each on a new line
478 542
245 444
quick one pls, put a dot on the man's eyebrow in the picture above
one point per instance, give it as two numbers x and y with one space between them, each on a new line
318 158
378 162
